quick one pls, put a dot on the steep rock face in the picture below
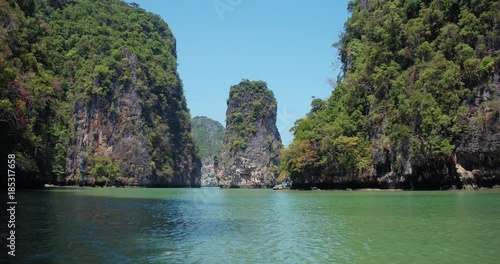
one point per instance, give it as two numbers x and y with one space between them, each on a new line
208 135
475 162
478 151
250 150
209 174
116 134
130 124
453 140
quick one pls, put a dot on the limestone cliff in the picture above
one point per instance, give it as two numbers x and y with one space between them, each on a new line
116 131
209 172
250 150
90 95
478 151
208 134
130 124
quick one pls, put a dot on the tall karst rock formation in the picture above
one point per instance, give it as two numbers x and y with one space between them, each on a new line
133 114
251 145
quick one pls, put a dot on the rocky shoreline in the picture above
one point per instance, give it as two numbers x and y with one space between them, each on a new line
279 187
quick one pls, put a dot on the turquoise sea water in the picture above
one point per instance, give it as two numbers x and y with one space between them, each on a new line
212 225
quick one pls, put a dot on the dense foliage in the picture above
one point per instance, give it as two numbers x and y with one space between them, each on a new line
208 135
413 72
58 57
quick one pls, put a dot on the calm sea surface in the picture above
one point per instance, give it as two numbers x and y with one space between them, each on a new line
212 225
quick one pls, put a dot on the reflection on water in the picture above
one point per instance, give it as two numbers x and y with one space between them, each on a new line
212 225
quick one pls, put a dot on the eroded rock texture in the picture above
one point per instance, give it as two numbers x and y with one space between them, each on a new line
250 151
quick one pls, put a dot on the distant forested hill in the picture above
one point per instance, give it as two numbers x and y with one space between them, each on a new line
417 106
208 135
90 94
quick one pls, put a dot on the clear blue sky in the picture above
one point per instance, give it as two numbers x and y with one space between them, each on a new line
286 43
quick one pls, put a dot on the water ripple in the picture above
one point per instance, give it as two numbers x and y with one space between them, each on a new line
210 225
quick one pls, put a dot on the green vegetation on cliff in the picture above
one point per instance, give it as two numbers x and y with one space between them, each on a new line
77 78
418 77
